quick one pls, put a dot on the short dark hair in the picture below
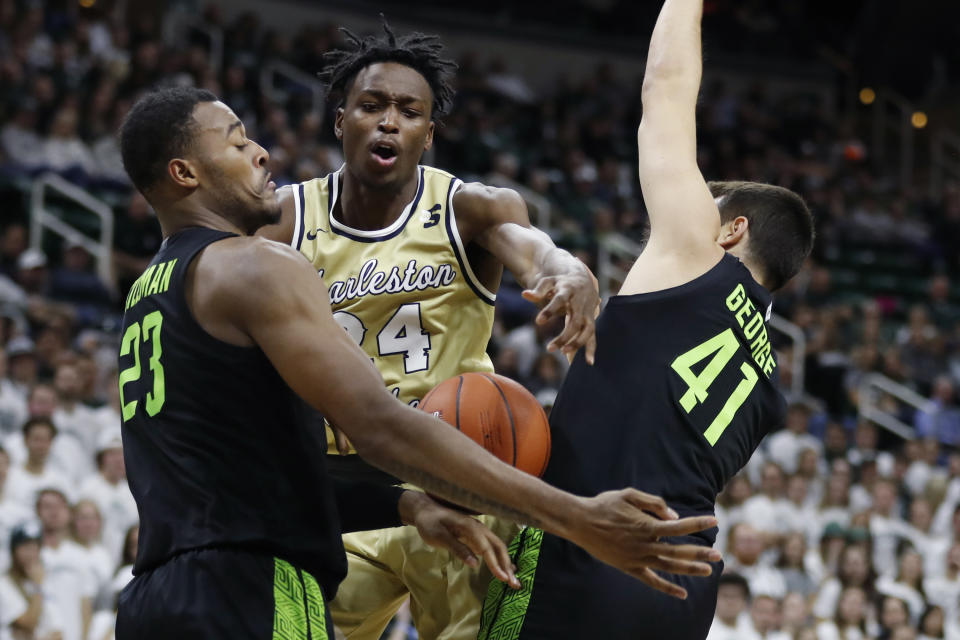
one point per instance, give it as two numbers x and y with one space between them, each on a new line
736 580
420 52
37 421
158 127
781 226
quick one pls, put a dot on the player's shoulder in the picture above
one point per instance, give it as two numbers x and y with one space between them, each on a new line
247 263
488 205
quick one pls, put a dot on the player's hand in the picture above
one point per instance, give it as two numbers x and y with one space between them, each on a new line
340 438
576 296
462 535
621 532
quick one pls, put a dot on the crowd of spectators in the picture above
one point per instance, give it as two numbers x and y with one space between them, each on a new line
836 529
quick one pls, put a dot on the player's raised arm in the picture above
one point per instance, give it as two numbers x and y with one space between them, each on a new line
684 219
497 220
294 327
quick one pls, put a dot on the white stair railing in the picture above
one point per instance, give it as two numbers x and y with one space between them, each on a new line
41 219
798 356
873 386
613 248
271 69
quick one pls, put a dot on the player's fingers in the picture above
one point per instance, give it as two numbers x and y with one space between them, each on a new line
461 550
497 557
557 305
542 292
652 579
682 527
343 445
688 552
591 346
571 329
686 567
581 339
654 504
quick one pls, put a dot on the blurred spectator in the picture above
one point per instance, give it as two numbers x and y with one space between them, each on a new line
109 491
746 558
730 620
784 446
765 618
70 583
853 572
26 480
764 509
11 513
76 283
850 620
942 421
22 365
13 408
25 611
136 240
87 533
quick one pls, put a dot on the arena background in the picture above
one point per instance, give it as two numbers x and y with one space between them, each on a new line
845 524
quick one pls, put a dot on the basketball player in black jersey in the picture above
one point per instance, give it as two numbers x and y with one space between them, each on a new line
683 387
240 526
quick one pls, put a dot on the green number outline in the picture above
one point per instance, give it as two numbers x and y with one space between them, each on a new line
722 348
131 339
155 399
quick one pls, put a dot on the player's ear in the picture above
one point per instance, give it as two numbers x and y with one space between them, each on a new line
733 232
429 141
338 124
183 173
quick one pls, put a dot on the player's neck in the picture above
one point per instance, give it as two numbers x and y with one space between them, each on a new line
175 219
361 206
739 251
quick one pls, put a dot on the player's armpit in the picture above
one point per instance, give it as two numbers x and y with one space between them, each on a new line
283 230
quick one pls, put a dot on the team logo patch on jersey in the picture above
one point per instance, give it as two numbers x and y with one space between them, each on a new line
430 217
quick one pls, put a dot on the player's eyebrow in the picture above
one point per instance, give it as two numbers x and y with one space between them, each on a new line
383 95
233 126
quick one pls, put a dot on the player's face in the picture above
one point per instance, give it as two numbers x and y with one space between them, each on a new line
385 124
231 169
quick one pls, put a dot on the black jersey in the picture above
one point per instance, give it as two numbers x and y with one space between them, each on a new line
682 392
218 449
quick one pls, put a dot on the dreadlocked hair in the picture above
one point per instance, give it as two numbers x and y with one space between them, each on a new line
418 51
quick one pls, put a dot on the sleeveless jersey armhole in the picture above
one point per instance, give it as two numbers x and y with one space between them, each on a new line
458 249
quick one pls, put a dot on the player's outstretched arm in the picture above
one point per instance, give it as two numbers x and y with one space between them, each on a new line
294 327
497 220
684 220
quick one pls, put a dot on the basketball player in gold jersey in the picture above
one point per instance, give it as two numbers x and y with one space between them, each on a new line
412 258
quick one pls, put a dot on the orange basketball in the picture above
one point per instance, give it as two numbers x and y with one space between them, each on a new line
496 413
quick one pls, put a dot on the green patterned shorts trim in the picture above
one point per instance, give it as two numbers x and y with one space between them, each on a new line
504 609
298 604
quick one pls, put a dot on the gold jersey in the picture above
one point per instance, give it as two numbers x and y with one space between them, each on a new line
406 294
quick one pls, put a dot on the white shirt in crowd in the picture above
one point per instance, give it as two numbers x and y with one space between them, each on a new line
23 486
784 447
118 509
69 580
764 513
742 631
13 604
12 514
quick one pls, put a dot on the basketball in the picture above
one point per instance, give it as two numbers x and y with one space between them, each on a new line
496 413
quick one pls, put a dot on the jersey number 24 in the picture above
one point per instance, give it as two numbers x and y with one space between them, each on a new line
402 334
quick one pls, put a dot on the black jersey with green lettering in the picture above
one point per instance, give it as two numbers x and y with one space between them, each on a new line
219 451
682 392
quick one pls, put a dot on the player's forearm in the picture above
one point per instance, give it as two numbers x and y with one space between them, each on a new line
420 449
674 61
